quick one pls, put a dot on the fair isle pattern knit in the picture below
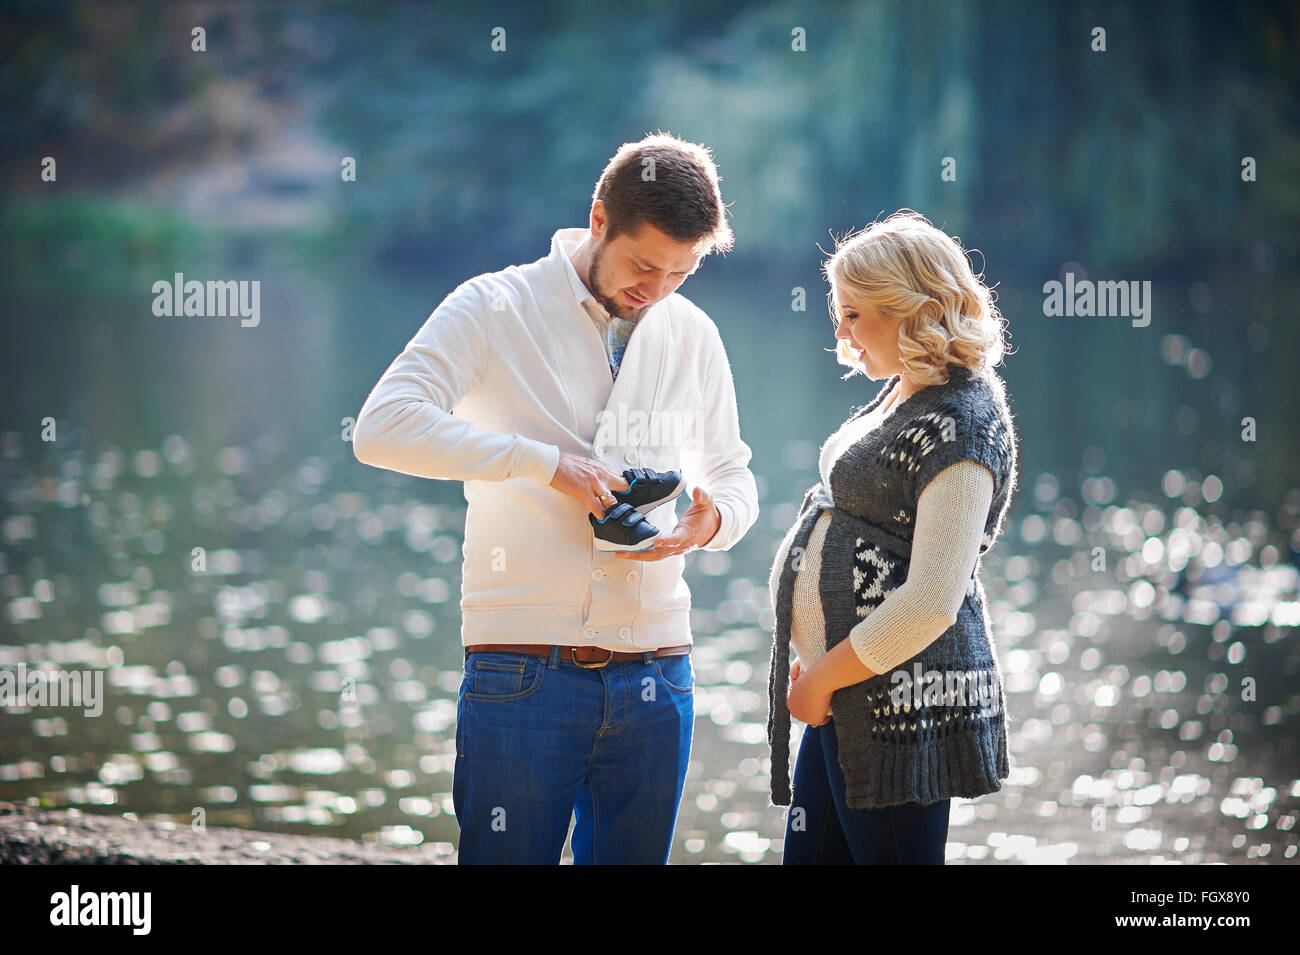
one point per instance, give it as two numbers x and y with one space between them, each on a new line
942 743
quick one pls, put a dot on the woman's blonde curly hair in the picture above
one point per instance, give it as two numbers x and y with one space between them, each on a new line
921 277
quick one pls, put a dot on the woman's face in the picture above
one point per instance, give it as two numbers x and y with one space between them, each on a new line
872 338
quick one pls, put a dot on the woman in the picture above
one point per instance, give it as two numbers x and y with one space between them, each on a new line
877 583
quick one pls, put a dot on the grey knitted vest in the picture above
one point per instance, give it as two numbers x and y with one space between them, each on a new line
918 737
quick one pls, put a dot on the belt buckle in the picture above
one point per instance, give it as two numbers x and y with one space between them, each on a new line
590 666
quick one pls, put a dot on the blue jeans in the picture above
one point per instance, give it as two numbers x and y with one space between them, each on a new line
541 739
827 832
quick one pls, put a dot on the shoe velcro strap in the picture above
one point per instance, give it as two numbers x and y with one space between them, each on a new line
625 514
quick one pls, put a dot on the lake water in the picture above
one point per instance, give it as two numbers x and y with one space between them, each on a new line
306 681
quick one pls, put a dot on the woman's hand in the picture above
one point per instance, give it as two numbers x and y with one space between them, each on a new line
809 699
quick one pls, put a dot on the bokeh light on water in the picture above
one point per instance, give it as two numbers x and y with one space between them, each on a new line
305 680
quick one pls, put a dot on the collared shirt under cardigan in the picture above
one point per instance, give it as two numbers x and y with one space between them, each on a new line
944 747
504 374
614 332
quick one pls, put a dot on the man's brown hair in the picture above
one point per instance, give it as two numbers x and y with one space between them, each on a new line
670 184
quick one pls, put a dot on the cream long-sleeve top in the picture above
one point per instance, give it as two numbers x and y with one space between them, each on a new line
950 517
511 369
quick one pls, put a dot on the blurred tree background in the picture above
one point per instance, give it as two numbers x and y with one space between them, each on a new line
1125 164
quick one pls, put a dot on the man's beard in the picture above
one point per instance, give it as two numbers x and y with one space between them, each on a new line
610 306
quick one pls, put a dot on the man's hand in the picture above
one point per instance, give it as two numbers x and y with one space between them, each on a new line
696 528
584 479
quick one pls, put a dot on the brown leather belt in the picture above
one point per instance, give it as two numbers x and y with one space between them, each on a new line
590 658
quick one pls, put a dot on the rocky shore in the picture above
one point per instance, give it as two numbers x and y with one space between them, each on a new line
30 835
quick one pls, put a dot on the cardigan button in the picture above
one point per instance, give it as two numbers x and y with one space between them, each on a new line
630 457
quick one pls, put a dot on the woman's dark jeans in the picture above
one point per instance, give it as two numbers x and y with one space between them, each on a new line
821 829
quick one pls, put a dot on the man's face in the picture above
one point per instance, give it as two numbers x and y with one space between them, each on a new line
635 270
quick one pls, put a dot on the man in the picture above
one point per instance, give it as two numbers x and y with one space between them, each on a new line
538 386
